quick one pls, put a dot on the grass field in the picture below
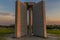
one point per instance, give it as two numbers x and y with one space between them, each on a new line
52 31
4 32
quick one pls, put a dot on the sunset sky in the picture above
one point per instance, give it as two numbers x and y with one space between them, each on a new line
7 11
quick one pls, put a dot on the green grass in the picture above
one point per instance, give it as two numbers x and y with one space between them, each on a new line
52 31
5 31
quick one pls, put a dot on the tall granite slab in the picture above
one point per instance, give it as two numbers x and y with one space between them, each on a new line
21 19
39 20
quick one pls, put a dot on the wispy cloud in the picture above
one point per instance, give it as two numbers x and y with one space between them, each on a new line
6 13
7 18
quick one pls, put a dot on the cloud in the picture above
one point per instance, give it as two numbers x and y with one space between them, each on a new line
7 18
5 14
53 22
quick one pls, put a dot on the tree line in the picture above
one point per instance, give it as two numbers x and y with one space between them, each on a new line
48 26
5 26
53 26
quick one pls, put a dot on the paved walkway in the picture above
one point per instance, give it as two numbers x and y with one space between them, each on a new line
50 37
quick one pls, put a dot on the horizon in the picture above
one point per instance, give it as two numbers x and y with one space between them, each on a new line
7 11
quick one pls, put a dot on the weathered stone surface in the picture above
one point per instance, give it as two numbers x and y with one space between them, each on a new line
21 19
39 22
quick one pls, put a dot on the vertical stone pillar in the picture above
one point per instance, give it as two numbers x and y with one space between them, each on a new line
30 21
44 16
18 19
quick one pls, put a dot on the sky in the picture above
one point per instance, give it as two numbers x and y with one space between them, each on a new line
7 11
